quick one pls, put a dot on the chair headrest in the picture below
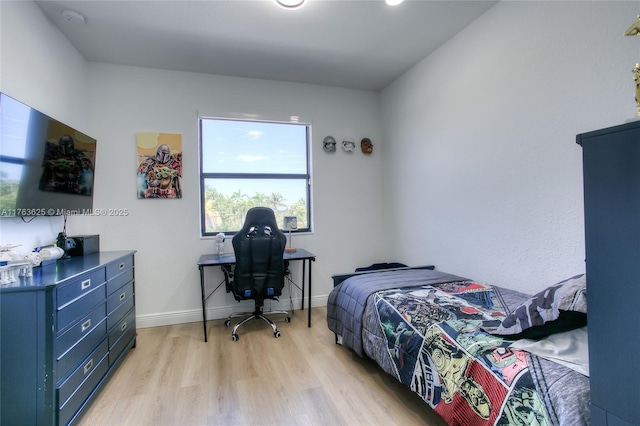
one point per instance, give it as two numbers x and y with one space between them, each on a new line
259 216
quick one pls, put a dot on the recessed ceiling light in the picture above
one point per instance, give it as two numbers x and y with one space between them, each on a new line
290 4
393 2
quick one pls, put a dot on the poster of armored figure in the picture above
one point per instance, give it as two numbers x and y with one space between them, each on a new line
159 165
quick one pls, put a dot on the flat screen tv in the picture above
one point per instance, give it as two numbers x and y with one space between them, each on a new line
46 167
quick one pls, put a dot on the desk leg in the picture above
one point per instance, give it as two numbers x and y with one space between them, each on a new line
304 262
204 303
309 296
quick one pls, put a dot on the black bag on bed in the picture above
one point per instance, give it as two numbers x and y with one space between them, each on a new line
378 266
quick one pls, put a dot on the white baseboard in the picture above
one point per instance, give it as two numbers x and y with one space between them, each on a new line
219 312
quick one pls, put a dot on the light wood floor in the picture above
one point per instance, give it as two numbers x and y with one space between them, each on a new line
173 377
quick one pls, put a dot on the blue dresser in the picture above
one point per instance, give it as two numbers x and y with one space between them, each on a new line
62 332
611 163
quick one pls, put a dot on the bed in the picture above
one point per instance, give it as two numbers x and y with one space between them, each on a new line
477 354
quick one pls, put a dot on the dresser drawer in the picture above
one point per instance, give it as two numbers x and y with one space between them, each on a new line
72 290
118 298
121 335
68 314
74 334
97 371
114 284
119 266
70 359
95 363
120 307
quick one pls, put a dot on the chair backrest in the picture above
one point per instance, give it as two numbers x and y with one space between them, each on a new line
259 249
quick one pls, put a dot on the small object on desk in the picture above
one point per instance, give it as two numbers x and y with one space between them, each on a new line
290 224
220 237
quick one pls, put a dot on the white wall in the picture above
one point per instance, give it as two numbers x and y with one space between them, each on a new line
125 100
480 148
41 69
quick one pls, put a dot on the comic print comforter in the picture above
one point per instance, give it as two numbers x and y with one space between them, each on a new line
429 337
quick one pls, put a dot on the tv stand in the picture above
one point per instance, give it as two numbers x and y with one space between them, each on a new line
63 331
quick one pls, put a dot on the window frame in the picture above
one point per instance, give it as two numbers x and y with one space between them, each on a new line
204 176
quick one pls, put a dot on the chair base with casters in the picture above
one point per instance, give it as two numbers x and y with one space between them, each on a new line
257 314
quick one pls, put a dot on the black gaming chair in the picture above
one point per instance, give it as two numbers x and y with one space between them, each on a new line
260 270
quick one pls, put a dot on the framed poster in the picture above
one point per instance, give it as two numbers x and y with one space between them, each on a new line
159 165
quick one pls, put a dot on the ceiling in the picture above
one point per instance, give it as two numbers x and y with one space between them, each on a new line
358 44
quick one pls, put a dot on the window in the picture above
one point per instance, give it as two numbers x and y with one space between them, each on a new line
244 164
14 127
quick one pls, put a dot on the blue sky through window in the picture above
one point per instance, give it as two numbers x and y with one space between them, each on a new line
237 146
233 146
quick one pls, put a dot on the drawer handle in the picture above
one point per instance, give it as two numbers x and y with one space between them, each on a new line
86 284
88 366
122 296
86 325
121 266
123 326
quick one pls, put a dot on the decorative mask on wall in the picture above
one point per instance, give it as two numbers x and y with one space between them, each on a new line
348 145
329 144
366 146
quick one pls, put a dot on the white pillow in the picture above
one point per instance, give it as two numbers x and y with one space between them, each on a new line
569 348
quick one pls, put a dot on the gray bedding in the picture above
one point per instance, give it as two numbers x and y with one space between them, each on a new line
357 311
347 302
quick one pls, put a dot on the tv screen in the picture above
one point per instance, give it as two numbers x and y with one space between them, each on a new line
46 167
